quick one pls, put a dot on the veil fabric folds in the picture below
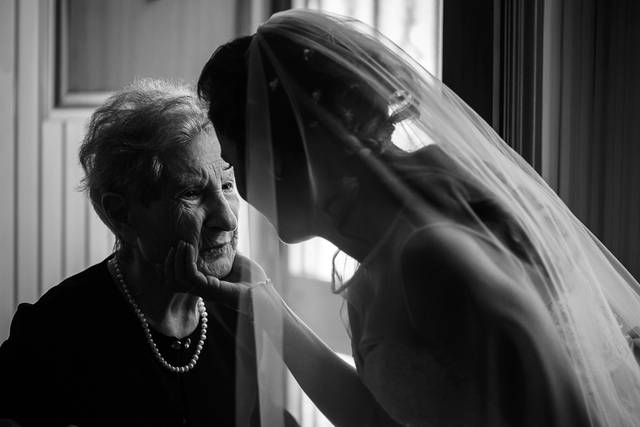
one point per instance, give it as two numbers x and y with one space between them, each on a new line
384 114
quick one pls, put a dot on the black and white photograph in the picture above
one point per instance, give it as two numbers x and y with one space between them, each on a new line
318 213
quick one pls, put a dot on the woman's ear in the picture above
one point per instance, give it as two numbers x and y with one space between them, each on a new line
117 211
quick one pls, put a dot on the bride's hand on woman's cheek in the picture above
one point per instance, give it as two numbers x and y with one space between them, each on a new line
182 275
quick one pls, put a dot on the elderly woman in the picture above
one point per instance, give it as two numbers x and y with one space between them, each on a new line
121 343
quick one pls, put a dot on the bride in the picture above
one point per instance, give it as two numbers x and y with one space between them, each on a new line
480 299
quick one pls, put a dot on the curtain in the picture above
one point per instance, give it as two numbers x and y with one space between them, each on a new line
557 80
591 104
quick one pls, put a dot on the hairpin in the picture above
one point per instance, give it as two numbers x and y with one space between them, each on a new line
273 84
315 95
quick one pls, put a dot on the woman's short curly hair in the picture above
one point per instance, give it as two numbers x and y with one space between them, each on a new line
131 135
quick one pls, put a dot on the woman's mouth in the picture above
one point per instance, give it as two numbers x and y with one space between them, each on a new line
214 251
216 260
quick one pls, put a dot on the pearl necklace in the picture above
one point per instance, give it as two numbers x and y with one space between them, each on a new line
147 332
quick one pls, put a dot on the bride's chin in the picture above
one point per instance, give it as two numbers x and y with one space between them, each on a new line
292 238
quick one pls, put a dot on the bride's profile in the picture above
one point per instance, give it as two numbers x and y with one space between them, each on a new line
479 298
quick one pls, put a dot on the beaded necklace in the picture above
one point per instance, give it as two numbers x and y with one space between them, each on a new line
147 332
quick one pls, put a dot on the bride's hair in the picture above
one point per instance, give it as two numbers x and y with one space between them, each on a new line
344 94
361 111
308 75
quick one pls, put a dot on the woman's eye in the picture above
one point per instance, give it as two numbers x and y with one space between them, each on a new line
191 194
228 186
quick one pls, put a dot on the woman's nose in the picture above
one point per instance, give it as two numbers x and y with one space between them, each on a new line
221 214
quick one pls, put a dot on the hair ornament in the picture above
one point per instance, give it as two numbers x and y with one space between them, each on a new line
273 84
306 54
316 95
401 106
348 115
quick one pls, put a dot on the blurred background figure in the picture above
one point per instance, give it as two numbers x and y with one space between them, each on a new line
556 79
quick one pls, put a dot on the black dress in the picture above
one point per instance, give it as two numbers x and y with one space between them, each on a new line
79 356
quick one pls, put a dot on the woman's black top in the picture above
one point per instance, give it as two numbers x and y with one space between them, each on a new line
79 356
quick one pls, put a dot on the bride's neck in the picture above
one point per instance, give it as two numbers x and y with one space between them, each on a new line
360 230
170 313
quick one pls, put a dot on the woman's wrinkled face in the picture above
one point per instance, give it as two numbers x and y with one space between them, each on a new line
199 204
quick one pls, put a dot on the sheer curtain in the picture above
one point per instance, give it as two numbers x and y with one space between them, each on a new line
415 25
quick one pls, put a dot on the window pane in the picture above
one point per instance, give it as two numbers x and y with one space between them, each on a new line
415 27
107 44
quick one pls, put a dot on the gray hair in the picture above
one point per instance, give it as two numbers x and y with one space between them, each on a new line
131 135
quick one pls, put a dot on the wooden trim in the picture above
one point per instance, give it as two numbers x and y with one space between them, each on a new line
76 205
51 215
8 124
28 156
47 56
57 62
61 114
61 73
83 99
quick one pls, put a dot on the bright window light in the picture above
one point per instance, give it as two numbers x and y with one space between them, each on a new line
415 26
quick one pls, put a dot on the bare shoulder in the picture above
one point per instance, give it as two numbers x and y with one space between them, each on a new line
447 255
506 318
452 250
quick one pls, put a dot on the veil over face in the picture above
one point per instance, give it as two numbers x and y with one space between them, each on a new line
320 115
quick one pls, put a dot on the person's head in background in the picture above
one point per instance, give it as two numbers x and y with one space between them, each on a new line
154 174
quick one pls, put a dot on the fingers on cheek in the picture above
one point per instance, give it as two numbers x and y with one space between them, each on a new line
190 254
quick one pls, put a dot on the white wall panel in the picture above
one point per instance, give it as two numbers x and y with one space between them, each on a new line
76 214
48 230
51 218
7 155
28 125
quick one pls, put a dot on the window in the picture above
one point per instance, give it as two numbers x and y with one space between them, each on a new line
415 26
103 45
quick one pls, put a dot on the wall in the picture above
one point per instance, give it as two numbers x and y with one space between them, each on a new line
20 55
7 160
47 229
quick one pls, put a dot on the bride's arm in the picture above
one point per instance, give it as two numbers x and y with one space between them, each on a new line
331 383
445 268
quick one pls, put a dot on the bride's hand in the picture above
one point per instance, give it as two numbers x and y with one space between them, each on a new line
181 269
